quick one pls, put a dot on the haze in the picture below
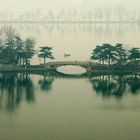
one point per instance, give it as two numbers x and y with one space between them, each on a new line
14 6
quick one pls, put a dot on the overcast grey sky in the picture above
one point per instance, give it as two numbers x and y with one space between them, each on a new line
32 5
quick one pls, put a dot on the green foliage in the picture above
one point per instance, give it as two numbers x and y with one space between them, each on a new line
109 54
14 50
29 51
134 54
121 53
46 52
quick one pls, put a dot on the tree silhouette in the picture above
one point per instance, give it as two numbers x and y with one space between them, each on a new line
98 54
120 53
13 49
113 54
46 52
104 53
29 51
134 54
10 45
19 48
109 53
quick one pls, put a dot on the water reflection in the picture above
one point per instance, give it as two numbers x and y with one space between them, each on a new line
116 86
16 88
96 29
134 84
46 83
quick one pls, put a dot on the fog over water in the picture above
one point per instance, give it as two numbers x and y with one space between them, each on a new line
44 5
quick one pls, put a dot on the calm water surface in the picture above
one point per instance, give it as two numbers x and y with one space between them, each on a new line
35 107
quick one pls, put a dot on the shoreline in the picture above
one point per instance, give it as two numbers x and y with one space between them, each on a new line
90 69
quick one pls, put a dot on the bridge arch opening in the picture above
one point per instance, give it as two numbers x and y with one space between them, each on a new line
71 70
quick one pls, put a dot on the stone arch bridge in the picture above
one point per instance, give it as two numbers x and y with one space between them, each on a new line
55 65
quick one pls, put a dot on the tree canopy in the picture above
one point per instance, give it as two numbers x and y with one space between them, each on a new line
15 50
46 52
109 54
134 55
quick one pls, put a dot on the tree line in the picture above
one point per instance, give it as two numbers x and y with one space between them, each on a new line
16 51
115 54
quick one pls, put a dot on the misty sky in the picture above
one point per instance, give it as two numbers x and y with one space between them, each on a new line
44 5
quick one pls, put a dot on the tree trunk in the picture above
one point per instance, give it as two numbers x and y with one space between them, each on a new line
103 62
109 61
26 61
44 61
23 62
20 61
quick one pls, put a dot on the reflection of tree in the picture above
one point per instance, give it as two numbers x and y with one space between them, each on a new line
109 85
29 88
46 83
134 84
14 87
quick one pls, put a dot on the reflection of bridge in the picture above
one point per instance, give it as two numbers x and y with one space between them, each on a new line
55 65
57 74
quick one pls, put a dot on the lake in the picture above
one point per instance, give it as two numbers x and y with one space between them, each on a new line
38 107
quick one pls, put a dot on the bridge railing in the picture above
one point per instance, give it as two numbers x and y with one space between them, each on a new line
70 63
